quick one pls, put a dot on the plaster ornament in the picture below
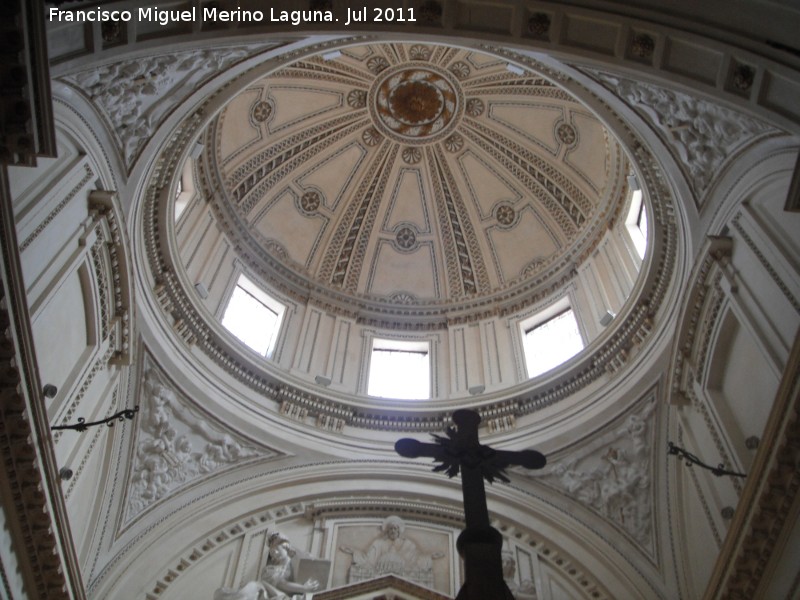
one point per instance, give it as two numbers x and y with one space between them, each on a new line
703 134
136 95
357 99
420 52
525 589
277 580
539 24
376 64
391 553
505 215
406 238
174 446
460 69
475 107
416 103
613 477
412 155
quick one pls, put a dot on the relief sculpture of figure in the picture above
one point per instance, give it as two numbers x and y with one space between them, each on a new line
276 582
392 553
277 573
526 589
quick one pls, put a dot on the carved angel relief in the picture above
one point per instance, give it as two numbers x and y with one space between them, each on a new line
612 477
136 95
174 446
703 134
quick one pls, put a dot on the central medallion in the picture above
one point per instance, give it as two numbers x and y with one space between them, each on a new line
416 104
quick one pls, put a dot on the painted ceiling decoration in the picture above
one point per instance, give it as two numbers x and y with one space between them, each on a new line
414 173
407 186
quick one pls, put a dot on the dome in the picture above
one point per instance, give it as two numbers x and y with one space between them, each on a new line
407 197
414 180
235 224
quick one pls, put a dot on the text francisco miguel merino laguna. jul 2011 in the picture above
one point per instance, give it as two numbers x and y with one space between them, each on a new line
210 14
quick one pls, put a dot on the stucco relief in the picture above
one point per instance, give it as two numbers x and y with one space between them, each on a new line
136 95
613 477
522 590
703 134
393 552
278 580
175 446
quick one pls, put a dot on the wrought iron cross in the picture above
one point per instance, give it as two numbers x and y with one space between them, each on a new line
479 544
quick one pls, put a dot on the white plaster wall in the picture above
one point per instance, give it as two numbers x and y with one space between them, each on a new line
315 343
751 334
70 278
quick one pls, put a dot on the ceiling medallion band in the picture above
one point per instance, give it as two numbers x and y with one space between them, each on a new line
416 104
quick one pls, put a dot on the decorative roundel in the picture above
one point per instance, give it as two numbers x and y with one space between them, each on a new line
406 238
371 136
454 143
566 134
475 107
505 215
376 64
402 298
460 69
420 52
357 99
262 110
416 104
412 155
310 201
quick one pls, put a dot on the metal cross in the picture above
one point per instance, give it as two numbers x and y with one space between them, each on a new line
479 544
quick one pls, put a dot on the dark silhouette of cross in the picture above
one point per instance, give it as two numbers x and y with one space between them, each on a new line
479 544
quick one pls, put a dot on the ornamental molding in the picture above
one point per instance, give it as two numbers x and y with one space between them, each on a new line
358 507
611 475
612 355
135 96
175 445
235 195
701 310
37 550
702 134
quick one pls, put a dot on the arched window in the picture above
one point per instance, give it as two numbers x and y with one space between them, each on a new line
253 316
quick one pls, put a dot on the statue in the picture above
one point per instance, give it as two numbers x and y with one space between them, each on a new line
277 573
276 581
392 553
253 590
525 590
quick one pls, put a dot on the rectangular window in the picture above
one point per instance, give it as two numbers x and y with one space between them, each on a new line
551 342
399 369
636 223
253 316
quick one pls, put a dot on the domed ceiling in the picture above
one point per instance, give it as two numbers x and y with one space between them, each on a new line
413 175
